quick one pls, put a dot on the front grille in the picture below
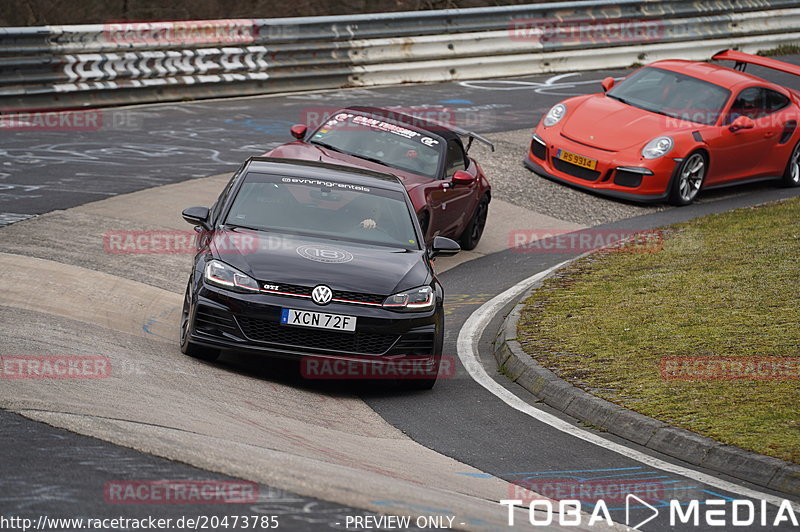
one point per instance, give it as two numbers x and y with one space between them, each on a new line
415 344
274 333
574 170
295 289
538 149
214 322
624 178
358 297
350 297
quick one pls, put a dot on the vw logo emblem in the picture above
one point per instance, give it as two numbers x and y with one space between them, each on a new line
321 295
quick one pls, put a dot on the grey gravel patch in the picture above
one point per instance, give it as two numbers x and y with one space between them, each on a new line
514 183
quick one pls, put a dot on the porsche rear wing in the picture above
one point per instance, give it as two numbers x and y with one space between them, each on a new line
742 60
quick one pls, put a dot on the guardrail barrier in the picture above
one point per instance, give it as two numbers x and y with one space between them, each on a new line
117 63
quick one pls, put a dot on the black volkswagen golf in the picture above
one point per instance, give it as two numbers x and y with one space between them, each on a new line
319 262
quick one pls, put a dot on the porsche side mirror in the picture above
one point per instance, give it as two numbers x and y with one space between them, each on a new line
197 216
299 131
607 83
742 122
463 178
443 247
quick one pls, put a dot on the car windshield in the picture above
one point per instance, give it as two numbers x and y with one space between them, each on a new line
672 94
323 209
376 140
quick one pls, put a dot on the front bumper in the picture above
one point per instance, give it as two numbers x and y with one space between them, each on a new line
251 323
617 174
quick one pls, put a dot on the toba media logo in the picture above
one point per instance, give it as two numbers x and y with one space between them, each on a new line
724 513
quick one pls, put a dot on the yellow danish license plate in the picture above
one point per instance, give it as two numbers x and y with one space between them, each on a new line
578 160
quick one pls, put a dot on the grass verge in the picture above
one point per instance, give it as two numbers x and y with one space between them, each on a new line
726 285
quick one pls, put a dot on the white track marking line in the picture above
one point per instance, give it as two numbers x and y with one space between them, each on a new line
468 338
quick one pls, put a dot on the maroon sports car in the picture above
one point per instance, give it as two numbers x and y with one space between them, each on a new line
449 190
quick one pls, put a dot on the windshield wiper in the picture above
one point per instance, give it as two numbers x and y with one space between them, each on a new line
623 100
328 146
649 109
371 159
248 227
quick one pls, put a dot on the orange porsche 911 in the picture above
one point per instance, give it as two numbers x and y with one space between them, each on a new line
673 128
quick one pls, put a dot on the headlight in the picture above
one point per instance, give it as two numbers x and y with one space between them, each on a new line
555 114
657 147
220 274
416 299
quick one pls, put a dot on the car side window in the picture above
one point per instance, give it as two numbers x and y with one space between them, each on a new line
751 102
217 207
776 101
455 158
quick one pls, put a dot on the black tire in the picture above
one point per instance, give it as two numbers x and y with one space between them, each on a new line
791 175
188 347
688 179
474 231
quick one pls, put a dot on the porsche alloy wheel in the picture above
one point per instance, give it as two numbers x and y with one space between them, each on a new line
689 179
791 176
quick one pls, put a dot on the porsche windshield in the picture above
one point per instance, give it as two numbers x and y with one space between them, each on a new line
384 142
672 94
323 209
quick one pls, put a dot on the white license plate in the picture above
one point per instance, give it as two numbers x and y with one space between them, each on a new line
318 320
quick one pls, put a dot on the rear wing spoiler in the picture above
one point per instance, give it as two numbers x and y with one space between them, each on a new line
464 133
472 136
742 60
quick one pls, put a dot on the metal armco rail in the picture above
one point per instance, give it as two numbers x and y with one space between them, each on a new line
116 63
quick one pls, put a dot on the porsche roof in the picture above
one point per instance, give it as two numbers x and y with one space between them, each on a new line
716 74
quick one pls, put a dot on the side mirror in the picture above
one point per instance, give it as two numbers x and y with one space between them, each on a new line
196 216
607 83
463 178
742 122
443 247
299 131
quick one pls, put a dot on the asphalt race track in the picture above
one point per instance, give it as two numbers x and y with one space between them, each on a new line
318 455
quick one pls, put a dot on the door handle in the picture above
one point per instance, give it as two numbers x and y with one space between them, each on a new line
769 134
